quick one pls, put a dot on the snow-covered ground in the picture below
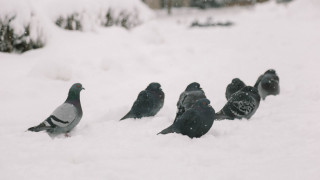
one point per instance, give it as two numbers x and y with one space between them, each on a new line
114 65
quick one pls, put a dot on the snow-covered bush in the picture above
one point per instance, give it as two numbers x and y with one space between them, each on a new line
72 22
85 15
22 21
111 17
283 1
238 2
125 13
125 19
20 28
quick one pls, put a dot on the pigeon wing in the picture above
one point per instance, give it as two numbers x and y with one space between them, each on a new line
189 123
244 107
63 115
181 99
143 103
187 118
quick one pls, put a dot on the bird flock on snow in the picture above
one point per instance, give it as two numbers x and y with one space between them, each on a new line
195 115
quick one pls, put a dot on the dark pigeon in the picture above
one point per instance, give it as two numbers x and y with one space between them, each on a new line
268 84
235 85
189 97
242 104
195 122
148 103
65 117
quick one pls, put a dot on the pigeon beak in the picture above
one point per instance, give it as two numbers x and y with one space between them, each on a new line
83 88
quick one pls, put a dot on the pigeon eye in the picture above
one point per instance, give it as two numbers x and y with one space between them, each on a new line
77 86
204 103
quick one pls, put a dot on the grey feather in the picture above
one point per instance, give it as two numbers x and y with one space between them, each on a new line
242 104
66 116
66 112
189 97
148 103
268 84
195 122
69 115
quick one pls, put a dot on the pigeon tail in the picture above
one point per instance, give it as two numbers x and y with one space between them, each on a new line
221 116
168 130
128 115
40 127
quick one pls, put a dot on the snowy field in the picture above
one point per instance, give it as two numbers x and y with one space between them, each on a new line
280 142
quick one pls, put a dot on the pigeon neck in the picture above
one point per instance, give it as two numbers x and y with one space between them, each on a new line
198 108
73 97
153 91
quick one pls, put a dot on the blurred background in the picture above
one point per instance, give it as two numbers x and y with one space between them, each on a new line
115 48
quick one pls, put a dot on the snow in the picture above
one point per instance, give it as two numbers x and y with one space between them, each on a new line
279 142
41 15
91 13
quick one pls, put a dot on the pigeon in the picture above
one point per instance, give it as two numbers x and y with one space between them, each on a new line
242 104
233 87
268 84
195 122
65 117
148 103
189 97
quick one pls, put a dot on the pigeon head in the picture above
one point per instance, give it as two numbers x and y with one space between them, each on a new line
270 84
77 87
270 71
193 87
203 103
237 83
154 87
74 92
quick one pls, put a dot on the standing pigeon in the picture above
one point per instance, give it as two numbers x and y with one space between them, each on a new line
189 97
148 103
66 116
233 87
268 84
195 122
242 104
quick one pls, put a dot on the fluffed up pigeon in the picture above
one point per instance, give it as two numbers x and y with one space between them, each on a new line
268 84
235 85
242 104
195 122
66 116
148 103
189 97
